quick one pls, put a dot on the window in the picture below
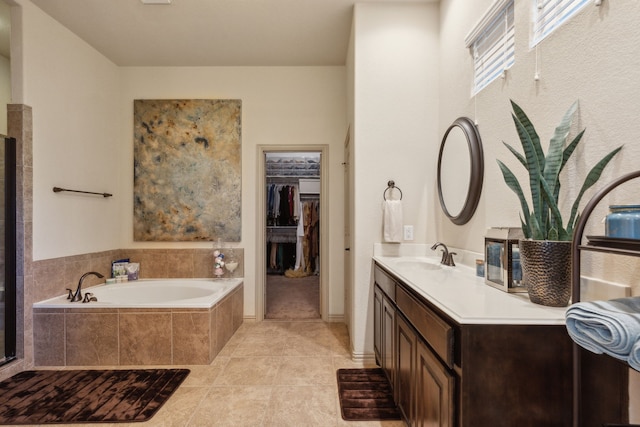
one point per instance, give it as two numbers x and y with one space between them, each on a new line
550 14
492 44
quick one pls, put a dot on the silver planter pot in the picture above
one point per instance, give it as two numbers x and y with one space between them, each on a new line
546 268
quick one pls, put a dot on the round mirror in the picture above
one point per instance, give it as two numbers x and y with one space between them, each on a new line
460 171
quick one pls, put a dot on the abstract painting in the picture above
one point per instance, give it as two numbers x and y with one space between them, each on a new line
187 170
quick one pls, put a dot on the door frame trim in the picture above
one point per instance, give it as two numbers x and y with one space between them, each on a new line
261 224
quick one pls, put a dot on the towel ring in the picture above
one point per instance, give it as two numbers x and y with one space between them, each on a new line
390 186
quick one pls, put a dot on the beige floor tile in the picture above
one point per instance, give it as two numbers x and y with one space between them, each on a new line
315 346
231 345
260 345
205 375
302 406
249 371
271 328
306 371
306 346
269 374
233 406
305 328
177 411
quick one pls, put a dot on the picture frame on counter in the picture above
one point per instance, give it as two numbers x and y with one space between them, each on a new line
502 259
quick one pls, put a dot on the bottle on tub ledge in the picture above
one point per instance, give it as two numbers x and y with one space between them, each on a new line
122 271
218 260
231 263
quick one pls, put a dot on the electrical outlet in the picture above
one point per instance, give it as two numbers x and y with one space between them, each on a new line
408 232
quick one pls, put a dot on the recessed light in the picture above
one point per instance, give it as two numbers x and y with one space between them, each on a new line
156 1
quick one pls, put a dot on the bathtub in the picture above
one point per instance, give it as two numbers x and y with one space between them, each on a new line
143 322
151 293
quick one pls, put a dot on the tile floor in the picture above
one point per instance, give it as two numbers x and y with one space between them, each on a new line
270 374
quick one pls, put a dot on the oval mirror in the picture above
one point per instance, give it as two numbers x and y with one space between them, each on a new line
460 171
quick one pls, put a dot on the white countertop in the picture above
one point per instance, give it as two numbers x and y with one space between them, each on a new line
464 297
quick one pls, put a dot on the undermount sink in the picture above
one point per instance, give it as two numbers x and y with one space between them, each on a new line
424 265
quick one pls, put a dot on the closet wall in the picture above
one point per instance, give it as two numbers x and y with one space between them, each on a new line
293 206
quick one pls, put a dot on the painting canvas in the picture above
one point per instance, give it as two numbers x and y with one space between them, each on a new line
187 170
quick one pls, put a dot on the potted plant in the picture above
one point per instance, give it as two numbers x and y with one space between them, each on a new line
546 250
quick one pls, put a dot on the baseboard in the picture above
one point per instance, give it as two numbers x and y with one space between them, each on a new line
363 358
336 318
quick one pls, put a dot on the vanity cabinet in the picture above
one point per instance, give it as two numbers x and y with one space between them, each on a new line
425 388
436 384
385 321
451 374
425 361
404 385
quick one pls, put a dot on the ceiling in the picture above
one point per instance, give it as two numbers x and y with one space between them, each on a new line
213 32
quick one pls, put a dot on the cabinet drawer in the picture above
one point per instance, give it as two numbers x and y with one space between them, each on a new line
385 282
436 332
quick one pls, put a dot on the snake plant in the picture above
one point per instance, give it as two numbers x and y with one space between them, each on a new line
544 220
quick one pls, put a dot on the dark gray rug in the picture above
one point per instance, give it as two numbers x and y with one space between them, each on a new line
86 396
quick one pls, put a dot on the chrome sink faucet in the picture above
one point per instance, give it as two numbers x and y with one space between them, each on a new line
77 296
447 257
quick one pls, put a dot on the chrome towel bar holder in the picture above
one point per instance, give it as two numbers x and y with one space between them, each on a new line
58 190
390 186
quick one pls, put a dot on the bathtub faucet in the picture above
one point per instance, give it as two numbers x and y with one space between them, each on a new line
77 296
447 257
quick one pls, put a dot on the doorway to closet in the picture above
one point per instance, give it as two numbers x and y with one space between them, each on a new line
292 235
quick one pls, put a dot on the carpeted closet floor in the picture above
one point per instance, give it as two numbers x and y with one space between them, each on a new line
293 298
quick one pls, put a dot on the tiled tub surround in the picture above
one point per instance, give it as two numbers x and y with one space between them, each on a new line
52 276
85 336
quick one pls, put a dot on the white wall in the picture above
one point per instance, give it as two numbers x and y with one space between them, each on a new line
349 308
5 92
280 106
594 58
83 138
73 91
395 132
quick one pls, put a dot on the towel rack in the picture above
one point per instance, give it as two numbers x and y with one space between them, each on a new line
58 190
390 186
611 386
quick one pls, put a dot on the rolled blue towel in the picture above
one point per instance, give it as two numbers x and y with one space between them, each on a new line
611 327
634 356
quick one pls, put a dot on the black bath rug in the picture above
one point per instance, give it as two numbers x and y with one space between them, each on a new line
86 396
366 395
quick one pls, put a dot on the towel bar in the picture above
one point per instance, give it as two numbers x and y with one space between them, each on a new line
390 186
58 190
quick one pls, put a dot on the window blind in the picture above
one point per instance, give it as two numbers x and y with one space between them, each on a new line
550 14
492 44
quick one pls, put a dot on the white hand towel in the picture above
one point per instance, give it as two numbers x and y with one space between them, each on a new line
392 221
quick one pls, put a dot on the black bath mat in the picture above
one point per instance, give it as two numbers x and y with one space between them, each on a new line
86 396
365 395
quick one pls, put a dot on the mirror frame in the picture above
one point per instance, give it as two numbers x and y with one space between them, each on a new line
476 176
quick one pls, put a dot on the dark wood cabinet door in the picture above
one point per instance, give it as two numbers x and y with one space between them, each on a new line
388 339
406 368
377 324
434 390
